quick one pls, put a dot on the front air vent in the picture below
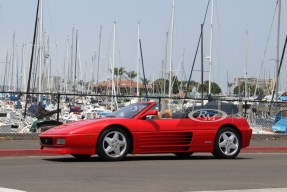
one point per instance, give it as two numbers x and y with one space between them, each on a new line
46 140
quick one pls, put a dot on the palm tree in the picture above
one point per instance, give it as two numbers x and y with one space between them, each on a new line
119 73
145 81
131 75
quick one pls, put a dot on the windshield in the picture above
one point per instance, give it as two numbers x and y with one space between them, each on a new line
129 111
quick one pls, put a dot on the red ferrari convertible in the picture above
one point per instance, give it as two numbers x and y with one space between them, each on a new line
140 129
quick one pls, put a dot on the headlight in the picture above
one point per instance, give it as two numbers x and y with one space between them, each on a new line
60 141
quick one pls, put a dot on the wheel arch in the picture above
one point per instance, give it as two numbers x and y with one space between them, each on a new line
227 154
232 127
122 127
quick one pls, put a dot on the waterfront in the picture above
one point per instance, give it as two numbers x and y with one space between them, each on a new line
261 115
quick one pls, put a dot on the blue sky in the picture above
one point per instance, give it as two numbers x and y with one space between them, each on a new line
232 19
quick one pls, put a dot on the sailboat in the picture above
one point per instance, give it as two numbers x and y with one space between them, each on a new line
274 95
37 50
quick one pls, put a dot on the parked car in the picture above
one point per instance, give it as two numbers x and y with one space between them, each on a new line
140 129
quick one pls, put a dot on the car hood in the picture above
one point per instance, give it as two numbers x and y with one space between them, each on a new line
78 127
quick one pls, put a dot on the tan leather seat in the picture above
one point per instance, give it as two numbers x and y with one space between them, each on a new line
167 114
158 116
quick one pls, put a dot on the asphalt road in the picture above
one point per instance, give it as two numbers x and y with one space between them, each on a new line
142 173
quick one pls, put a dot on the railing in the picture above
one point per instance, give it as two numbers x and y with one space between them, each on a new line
18 111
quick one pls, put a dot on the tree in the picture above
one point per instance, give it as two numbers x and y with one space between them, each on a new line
145 81
175 85
259 91
251 89
119 73
215 89
192 84
158 85
131 75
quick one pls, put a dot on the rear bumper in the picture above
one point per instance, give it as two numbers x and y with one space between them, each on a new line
246 137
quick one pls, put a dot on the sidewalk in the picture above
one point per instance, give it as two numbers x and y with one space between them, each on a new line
9 148
30 146
267 144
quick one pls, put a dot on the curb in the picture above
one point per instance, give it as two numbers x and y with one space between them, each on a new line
35 136
279 149
38 152
21 152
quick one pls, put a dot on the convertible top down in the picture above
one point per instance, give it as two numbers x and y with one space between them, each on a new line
140 129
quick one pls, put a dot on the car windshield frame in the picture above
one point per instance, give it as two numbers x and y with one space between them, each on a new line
129 111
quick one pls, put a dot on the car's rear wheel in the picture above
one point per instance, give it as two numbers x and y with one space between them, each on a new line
80 156
184 155
113 144
227 143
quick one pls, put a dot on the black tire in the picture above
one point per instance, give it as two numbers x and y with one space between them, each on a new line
113 144
184 155
81 157
227 143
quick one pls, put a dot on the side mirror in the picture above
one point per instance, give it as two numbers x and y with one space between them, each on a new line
148 113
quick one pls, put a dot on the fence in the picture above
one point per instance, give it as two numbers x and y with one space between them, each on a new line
19 112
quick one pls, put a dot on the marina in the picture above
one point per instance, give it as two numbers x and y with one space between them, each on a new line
77 88
12 120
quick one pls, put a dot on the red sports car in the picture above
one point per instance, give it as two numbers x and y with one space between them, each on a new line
140 129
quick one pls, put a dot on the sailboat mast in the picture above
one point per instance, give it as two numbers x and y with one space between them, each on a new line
23 71
145 81
171 49
70 67
138 58
210 47
16 88
6 72
182 74
114 100
75 66
99 56
31 60
40 46
277 57
201 56
165 62
65 67
113 59
245 68
13 66
47 64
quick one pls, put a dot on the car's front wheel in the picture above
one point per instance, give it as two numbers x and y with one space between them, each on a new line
227 144
113 144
